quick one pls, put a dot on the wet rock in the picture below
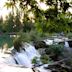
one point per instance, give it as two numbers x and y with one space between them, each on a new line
70 44
40 44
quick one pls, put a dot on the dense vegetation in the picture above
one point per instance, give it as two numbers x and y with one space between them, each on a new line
32 24
56 18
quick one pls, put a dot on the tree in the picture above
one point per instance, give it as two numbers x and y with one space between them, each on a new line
8 24
17 23
1 22
45 21
11 4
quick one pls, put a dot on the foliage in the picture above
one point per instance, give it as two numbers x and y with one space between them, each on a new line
17 23
28 26
54 19
5 38
30 36
69 35
11 24
45 59
34 61
8 24
54 50
1 22
17 44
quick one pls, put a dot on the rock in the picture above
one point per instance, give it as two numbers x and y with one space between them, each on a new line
40 44
70 43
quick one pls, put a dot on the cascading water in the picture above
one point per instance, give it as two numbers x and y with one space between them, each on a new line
25 58
66 44
48 41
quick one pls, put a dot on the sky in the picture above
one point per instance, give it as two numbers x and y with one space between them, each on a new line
4 11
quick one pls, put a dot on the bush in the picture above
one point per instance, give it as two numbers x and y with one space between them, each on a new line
54 51
34 61
69 35
17 44
5 38
45 59
30 36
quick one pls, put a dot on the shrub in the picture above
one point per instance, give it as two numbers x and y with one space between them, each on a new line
30 36
17 44
54 51
69 35
5 38
45 59
34 61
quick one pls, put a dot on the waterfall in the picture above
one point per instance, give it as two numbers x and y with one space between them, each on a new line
25 57
66 44
31 51
48 41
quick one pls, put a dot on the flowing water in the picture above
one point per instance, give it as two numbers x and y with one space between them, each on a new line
22 59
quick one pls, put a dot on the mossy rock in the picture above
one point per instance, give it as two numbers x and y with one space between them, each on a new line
40 44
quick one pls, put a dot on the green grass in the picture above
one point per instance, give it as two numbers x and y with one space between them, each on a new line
5 38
